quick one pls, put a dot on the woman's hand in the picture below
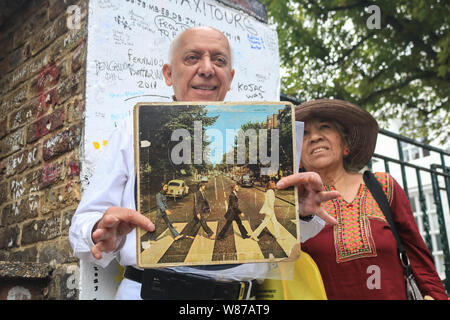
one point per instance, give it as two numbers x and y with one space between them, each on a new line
310 194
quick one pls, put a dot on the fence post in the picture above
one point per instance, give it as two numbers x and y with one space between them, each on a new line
423 208
402 167
441 222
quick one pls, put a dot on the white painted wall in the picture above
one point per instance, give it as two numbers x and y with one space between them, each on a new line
128 43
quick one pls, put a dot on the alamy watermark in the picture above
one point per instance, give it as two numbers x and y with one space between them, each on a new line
374 280
74 15
257 149
374 20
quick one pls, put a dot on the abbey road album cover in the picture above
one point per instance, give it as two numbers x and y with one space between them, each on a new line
206 176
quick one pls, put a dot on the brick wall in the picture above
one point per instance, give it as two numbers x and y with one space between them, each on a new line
42 92
42 86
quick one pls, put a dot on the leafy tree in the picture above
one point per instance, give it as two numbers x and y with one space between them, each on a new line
397 70
251 148
286 147
157 127
251 144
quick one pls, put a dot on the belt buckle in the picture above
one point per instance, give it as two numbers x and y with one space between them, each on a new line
242 290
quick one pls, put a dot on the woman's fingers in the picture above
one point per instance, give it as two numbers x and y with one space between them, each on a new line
311 179
311 193
326 217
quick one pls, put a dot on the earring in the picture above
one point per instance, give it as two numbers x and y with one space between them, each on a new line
346 151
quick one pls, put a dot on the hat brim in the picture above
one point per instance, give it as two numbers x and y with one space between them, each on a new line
362 128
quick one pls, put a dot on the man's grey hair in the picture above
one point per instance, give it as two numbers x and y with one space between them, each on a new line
174 43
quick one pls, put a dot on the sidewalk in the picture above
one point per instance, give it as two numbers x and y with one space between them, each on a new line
285 195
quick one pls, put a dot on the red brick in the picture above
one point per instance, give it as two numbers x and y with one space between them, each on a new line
28 69
45 125
3 192
12 143
41 230
79 57
62 142
9 237
33 181
4 85
48 77
69 87
36 22
24 115
46 36
20 161
51 174
7 44
46 100
33 110
20 210
18 56
74 167
3 127
56 199
18 187
14 99
75 110
4 66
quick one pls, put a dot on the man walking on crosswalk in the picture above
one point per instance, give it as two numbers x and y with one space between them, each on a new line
233 214
163 212
200 210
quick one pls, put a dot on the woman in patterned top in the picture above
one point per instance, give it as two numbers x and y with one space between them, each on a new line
358 257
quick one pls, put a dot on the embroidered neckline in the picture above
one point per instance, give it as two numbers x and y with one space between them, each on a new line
361 189
352 235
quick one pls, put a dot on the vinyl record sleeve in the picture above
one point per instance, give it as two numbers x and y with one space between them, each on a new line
203 172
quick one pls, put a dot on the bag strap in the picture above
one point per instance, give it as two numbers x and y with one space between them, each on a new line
380 197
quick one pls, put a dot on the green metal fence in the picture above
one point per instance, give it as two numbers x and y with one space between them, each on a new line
413 171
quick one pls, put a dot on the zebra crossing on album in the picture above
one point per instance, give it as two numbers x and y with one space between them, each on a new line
206 177
205 250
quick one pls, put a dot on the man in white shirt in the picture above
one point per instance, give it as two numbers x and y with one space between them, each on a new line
103 226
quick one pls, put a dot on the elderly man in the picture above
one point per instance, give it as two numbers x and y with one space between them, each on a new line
103 227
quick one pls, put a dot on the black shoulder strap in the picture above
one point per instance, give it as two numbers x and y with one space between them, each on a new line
375 188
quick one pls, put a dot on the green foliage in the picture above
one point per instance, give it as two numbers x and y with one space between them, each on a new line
285 150
401 70
157 127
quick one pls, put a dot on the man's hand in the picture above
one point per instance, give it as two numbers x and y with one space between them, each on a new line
310 194
115 224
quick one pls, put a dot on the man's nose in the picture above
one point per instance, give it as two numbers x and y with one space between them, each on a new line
206 67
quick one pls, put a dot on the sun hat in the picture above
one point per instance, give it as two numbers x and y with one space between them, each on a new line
361 127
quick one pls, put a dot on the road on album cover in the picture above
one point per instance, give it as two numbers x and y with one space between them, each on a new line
233 246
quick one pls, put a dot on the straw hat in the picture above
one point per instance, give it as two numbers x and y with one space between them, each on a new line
361 127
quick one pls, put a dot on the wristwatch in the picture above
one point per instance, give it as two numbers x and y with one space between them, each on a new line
306 218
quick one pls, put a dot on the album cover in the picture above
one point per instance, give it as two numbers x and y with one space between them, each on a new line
206 175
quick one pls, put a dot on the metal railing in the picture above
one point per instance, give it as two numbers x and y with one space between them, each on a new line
439 177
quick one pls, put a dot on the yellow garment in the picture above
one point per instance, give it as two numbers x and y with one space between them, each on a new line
306 283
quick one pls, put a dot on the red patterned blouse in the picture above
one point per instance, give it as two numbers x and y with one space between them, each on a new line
358 257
